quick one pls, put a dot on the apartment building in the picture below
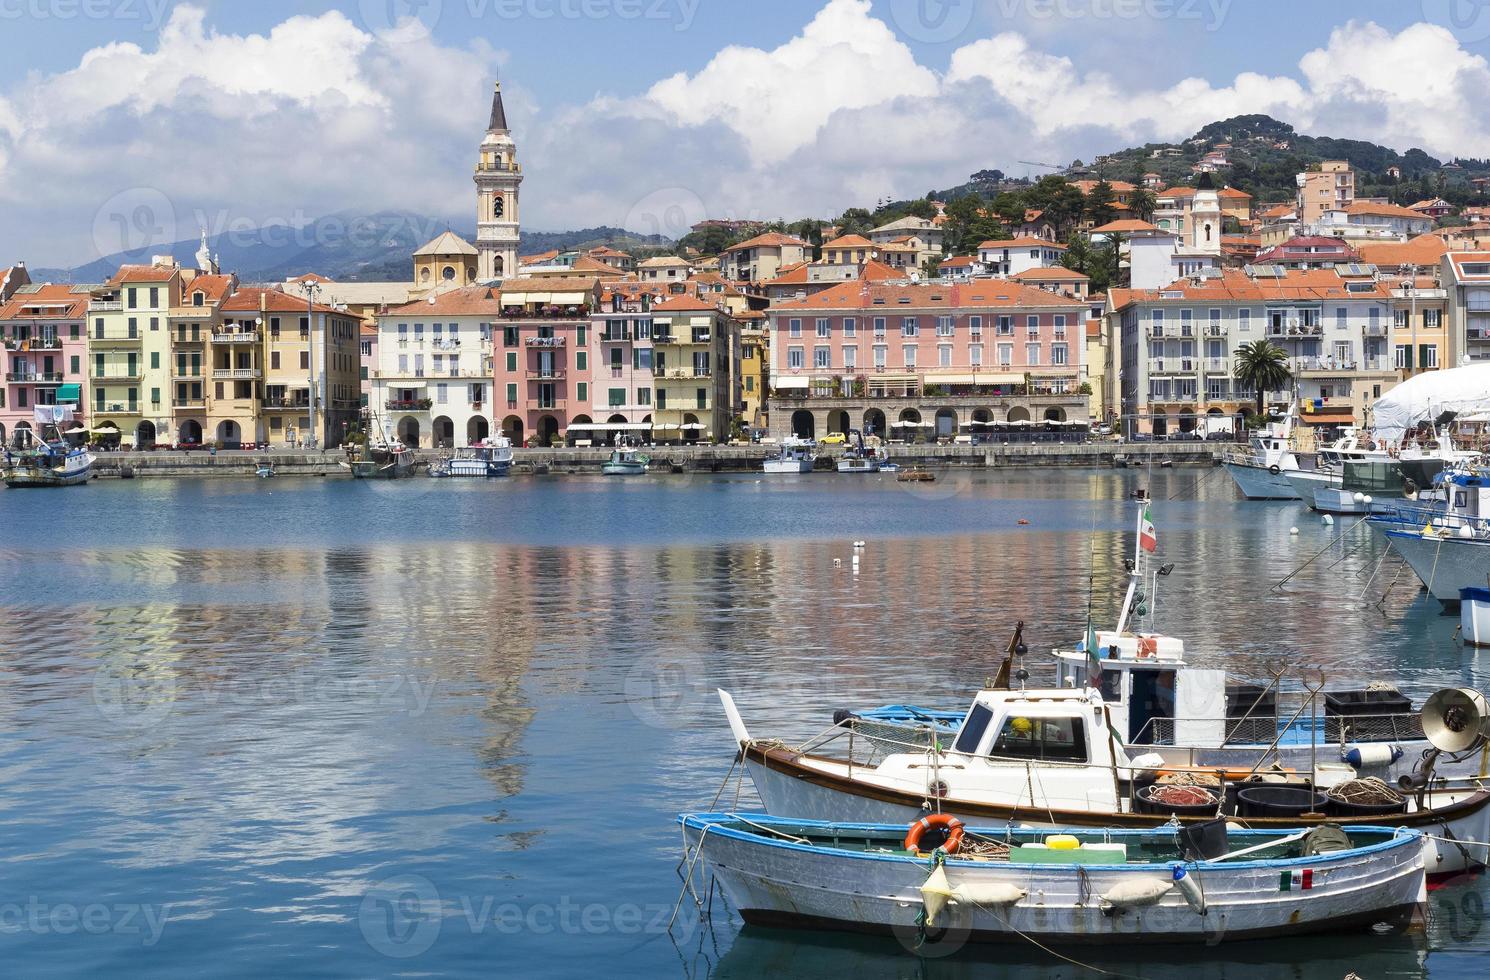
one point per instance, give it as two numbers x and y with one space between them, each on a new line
1466 281
755 368
695 369
664 269
42 328
1010 257
622 398
1373 221
924 360
1331 187
129 352
1176 345
1421 338
762 257
431 382
542 337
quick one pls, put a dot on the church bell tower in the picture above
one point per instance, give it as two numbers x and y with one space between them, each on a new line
498 176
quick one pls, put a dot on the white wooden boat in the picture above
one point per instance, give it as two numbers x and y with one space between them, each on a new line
53 464
1258 473
1079 886
796 456
478 462
626 462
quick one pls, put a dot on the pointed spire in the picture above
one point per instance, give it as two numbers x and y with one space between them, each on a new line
498 113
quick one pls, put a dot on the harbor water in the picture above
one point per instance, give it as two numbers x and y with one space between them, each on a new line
443 728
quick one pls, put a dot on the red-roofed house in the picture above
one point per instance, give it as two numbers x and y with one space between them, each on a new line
43 328
924 360
762 257
1008 257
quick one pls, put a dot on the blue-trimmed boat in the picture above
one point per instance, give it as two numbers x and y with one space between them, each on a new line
1006 883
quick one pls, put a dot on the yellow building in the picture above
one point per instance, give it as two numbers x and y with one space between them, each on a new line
129 350
1094 363
447 262
1420 327
755 370
692 368
194 325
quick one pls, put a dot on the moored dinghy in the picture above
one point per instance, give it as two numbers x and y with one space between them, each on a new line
1084 886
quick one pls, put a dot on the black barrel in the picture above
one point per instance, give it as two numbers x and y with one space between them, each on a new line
1148 804
1272 800
1353 811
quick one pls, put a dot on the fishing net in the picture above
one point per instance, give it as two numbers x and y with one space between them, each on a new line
982 847
1189 779
1369 791
1177 795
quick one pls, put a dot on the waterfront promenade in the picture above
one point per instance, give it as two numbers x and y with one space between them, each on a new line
667 459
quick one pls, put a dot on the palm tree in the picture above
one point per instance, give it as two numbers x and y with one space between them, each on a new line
1264 366
1142 204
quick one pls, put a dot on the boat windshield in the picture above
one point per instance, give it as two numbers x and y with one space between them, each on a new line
972 730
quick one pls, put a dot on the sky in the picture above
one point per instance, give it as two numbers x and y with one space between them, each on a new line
132 122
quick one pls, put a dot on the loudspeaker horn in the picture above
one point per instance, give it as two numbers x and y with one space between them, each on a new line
1456 719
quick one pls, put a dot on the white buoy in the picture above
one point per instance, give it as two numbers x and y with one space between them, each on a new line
1360 498
1366 500
1293 530
1328 520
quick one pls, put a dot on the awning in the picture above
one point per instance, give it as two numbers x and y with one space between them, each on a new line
70 393
580 427
789 383
691 425
999 379
952 379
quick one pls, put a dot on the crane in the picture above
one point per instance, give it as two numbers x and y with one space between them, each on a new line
1046 166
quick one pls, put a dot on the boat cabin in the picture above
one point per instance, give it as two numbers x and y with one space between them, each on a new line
1152 695
1468 496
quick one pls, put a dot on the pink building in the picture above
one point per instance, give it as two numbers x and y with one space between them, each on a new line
43 329
623 396
542 364
924 360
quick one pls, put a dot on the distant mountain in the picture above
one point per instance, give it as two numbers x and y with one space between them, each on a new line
347 247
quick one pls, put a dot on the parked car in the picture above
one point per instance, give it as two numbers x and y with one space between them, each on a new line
833 439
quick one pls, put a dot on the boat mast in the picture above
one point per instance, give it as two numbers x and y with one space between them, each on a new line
1135 572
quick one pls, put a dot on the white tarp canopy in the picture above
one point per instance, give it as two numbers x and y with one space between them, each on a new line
1464 391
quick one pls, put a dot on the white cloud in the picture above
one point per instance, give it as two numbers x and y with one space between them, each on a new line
319 115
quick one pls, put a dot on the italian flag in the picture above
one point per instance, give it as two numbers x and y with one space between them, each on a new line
1296 881
1147 539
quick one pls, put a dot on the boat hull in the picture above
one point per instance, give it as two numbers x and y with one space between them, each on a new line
29 479
858 466
623 469
1260 482
476 468
794 785
799 885
788 466
1444 565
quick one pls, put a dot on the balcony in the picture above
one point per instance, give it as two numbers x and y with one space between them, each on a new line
236 374
106 306
409 404
117 408
128 374
189 404
1377 329
44 342
235 336
109 338
1217 365
1477 306
439 344
1293 328
545 375
545 313
1215 330
546 341
35 377
278 402
681 374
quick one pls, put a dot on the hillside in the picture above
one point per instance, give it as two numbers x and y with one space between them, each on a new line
346 247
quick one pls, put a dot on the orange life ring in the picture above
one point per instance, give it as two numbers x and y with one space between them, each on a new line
1148 646
952 824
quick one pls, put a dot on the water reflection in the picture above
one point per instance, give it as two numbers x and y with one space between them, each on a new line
257 706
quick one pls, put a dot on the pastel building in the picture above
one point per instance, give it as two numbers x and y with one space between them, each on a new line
622 382
195 327
542 366
694 369
129 348
762 257
924 359
431 382
46 353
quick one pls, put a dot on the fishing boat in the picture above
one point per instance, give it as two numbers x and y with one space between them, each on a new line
795 456
491 459
264 471
51 464
860 458
381 460
626 462
1258 471
1447 543
1076 885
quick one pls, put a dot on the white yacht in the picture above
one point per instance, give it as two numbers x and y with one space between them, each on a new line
796 456
1259 470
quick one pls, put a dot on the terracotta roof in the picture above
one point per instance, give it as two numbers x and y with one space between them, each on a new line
576 284
956 261
465 301
143 273
1086 186
1050 274
1232 192
876 271
661 261
214 288
1382 210
980 293
684 304
247 300
1234 284
850 241
587 264
792 275
772 239
538 258
1093 329
447 244
369 331
1024 241
1124 225
1458 258
608 252
751 315
46 302
310 277
1277 211
1422 250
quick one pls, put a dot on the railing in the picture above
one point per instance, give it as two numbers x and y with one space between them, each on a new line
545 375
410 405
126 375
235 336
112 337
681 374
130 408
553 313
182 338
188 402
546 341
439 344
292 403
35 377
1215 330
1296 330
237 374
1216 364
106 306
44 342
1377 329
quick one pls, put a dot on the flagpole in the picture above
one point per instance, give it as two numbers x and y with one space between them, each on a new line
1137 572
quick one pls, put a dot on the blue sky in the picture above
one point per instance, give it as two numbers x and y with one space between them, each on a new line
646 112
